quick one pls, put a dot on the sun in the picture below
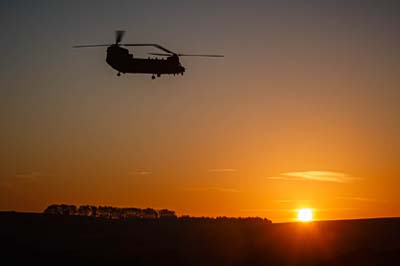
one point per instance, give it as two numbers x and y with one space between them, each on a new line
305 215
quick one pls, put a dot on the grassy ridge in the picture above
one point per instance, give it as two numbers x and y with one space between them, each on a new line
78 240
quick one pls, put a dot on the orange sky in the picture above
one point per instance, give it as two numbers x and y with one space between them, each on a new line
302 111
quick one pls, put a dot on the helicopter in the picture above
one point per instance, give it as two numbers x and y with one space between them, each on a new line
121 60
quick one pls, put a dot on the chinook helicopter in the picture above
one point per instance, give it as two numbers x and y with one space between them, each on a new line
121 60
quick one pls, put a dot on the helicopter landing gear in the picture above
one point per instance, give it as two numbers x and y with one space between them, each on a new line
118 74
153 77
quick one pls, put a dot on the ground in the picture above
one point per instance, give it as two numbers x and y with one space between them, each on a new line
40 239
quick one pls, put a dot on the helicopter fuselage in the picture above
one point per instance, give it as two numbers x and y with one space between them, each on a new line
121 60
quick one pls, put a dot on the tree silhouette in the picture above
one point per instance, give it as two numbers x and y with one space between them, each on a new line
109 212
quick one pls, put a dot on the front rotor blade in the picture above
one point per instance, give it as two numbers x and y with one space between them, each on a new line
149 44
159 54
202 55
119 34
90 45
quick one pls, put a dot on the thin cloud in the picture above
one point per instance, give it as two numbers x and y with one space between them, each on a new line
283 201
267 210
222 170
30 176
23 178
291 210
322 176
335 209
26 177
218 189
361 199
285 178
140 172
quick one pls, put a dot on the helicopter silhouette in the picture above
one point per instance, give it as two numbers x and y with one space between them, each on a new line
121 60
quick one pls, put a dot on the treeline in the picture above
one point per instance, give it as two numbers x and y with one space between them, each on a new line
109 212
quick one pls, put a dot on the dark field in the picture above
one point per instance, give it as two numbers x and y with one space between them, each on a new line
38 239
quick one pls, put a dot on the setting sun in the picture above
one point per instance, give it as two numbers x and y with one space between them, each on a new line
305 215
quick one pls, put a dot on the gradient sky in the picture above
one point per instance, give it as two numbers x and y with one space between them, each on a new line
302 112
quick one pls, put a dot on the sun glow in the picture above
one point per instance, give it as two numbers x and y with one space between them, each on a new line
305 215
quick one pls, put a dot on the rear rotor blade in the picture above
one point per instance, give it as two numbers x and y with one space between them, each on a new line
119 34
90 45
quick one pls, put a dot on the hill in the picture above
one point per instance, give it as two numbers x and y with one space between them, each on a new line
45 239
